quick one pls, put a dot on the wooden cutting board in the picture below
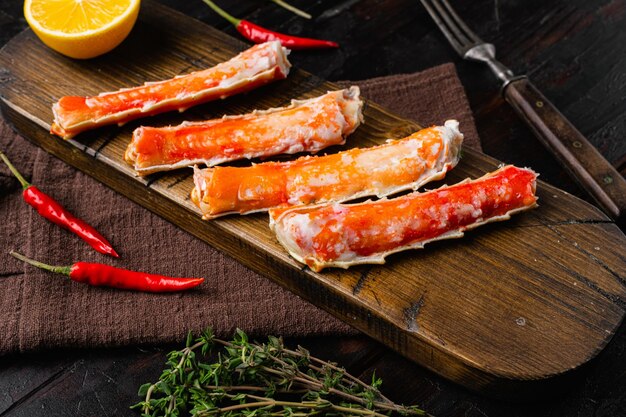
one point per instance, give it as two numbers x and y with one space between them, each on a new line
503 310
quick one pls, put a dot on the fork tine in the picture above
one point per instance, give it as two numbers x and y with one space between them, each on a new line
464 40
470 33
458 47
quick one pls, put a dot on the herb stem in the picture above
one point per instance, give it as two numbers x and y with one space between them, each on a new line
245 405
171 405
313 383
308 405
335 368
146 408
250 379
308 380
250 388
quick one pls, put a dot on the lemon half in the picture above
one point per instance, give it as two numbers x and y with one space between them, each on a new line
81 28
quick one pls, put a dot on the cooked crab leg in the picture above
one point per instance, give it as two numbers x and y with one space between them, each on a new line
342 235
381 170
256 66
305 126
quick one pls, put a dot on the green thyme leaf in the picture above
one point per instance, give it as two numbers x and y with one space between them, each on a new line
238 378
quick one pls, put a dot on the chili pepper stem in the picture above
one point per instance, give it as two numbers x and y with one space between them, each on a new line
292 9
25 184
50 209
232 19
65 270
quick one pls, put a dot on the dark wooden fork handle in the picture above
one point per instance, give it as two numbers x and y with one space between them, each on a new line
594 173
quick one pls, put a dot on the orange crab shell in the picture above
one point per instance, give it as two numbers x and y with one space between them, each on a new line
252 68
382 170
304 126
342 235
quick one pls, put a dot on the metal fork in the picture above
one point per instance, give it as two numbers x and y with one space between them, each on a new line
573 150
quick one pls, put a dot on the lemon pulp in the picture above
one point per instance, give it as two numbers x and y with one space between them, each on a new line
81 28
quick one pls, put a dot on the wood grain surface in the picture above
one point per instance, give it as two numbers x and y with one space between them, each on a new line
507 306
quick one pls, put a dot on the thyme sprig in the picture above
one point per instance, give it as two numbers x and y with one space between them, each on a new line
239 378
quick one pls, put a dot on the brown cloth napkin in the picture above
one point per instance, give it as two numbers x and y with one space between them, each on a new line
41 310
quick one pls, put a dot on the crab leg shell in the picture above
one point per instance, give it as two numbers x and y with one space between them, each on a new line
381 170
342 235
304 126
254 67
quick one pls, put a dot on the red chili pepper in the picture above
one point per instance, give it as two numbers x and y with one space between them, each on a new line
101 275
47 207
258 34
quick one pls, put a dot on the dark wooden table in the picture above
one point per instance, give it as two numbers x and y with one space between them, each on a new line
575 51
